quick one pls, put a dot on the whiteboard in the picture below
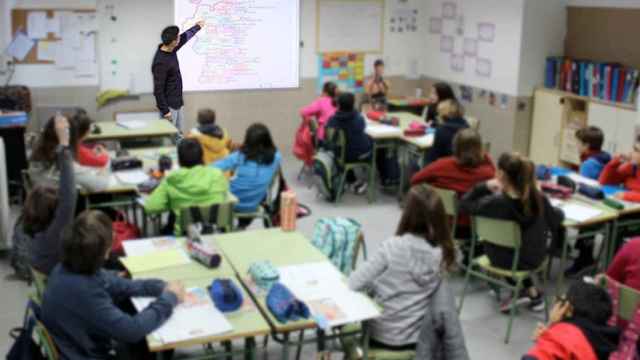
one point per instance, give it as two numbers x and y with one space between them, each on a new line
245 44
350 25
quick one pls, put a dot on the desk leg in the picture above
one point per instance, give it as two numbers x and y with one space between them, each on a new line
285 346
228 348
365 340
612 243
563 260
250 348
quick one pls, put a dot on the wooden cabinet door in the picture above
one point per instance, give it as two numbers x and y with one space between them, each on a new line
626 130
548 110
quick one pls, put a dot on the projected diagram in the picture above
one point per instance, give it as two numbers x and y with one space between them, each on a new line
450 26
241 46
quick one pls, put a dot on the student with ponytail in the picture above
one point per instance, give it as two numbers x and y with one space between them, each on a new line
322 108
513 195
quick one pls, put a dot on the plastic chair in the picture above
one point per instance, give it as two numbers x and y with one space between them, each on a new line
39 284
505 234
345 167
629 301
215 216
45 341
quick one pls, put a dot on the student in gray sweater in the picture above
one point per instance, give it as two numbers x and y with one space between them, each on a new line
83 304
47 211
407 269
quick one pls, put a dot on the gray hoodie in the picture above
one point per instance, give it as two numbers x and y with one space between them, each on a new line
402 275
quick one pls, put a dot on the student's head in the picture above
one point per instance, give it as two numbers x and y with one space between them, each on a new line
590 139
330 89
346 102
39 208
170 36
81 125
189 153
517 175
45 148
378 67
450 109
258 145
88 244
587 302
206 117
441 91
467 148
424 216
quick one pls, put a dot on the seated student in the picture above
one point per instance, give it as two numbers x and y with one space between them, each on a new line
358 143
43 168
592 158
577 327
452 116
47 211
253 166
322 108
96 156
513 195
439 92
214 140
194 184
407 269
79 305
625 267
623 170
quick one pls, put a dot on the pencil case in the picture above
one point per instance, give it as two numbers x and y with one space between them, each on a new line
613 204
264 274
225 295
591 192
284 305
567 182
376 115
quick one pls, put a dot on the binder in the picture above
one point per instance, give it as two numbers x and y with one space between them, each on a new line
550 74
603 81
615 79
583 78
575 78
622 77
595 85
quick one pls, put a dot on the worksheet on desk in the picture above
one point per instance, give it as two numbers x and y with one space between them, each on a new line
141 247
580 213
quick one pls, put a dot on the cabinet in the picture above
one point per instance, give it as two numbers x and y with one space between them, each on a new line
617 124
544 147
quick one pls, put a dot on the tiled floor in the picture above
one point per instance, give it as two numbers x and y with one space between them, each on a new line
483 326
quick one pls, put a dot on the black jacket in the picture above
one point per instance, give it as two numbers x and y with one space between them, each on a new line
538 232
353 125
167 79
443 141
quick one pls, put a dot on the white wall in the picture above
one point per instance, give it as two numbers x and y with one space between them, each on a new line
504 51
606 3
543 32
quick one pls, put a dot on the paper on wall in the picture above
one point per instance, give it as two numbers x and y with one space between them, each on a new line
54 25
37 25
20 46
65 58
47 50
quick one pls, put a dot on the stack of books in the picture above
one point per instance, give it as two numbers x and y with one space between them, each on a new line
607 81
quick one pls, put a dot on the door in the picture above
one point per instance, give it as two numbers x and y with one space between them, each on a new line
544 147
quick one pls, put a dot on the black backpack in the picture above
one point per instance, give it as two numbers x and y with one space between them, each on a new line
24 347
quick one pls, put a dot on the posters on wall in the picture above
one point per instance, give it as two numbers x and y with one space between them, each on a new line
346 69
404 18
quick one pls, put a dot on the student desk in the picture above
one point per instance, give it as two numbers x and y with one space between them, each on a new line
247 323
110 130
281 248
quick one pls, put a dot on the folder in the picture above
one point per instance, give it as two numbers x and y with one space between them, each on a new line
615 79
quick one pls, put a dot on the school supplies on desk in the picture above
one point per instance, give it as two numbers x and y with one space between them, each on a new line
580 213
126 163
284 306
264 274
141 247
288 210
592 192
203 254
132 177
195 318
155 261
226 295
612 203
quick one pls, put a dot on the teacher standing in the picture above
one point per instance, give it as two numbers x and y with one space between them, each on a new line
167 79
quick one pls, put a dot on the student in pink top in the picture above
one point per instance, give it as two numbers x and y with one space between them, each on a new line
322 108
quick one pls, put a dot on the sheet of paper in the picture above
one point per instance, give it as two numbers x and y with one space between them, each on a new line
583 180
37 24
195 318
380 130
86 69
424 141
65 58
138 116
54 25
70 28
47 50
133 124
132 177
157 260
580 213
142 247
20 46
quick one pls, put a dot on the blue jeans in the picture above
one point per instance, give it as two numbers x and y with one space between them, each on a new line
177 117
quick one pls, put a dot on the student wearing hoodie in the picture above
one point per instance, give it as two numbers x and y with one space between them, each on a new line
623 170
322 108
578 327
407 269
194 184
513 195
452 116
358 143
214 140
592 158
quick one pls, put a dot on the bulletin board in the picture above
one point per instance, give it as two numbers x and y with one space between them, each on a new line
19 23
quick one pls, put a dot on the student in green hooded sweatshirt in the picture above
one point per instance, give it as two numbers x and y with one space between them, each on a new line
192 185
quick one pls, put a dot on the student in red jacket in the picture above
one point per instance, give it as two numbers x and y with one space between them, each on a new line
95 156
623 169
625 267
578 327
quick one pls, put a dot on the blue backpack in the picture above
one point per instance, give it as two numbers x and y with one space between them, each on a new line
336 238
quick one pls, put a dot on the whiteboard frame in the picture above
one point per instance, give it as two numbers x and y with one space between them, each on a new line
380 50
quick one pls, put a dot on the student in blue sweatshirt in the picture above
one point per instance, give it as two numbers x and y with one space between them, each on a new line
592 158
79 305
253 168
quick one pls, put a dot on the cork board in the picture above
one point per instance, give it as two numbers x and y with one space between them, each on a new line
19 23
603 34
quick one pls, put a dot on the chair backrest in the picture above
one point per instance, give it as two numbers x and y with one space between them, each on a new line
629 302
449 200
359 244
218 216
39 283
505 233
45 341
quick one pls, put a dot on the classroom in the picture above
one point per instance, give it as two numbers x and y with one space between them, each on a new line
320 179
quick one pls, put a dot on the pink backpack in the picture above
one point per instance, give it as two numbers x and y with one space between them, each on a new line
627 348
303 146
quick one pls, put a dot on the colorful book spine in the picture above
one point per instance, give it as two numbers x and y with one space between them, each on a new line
622 77
615 79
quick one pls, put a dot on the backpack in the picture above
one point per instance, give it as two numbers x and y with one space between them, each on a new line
325 174
336 238
303 146
273 207
20 252
24 346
